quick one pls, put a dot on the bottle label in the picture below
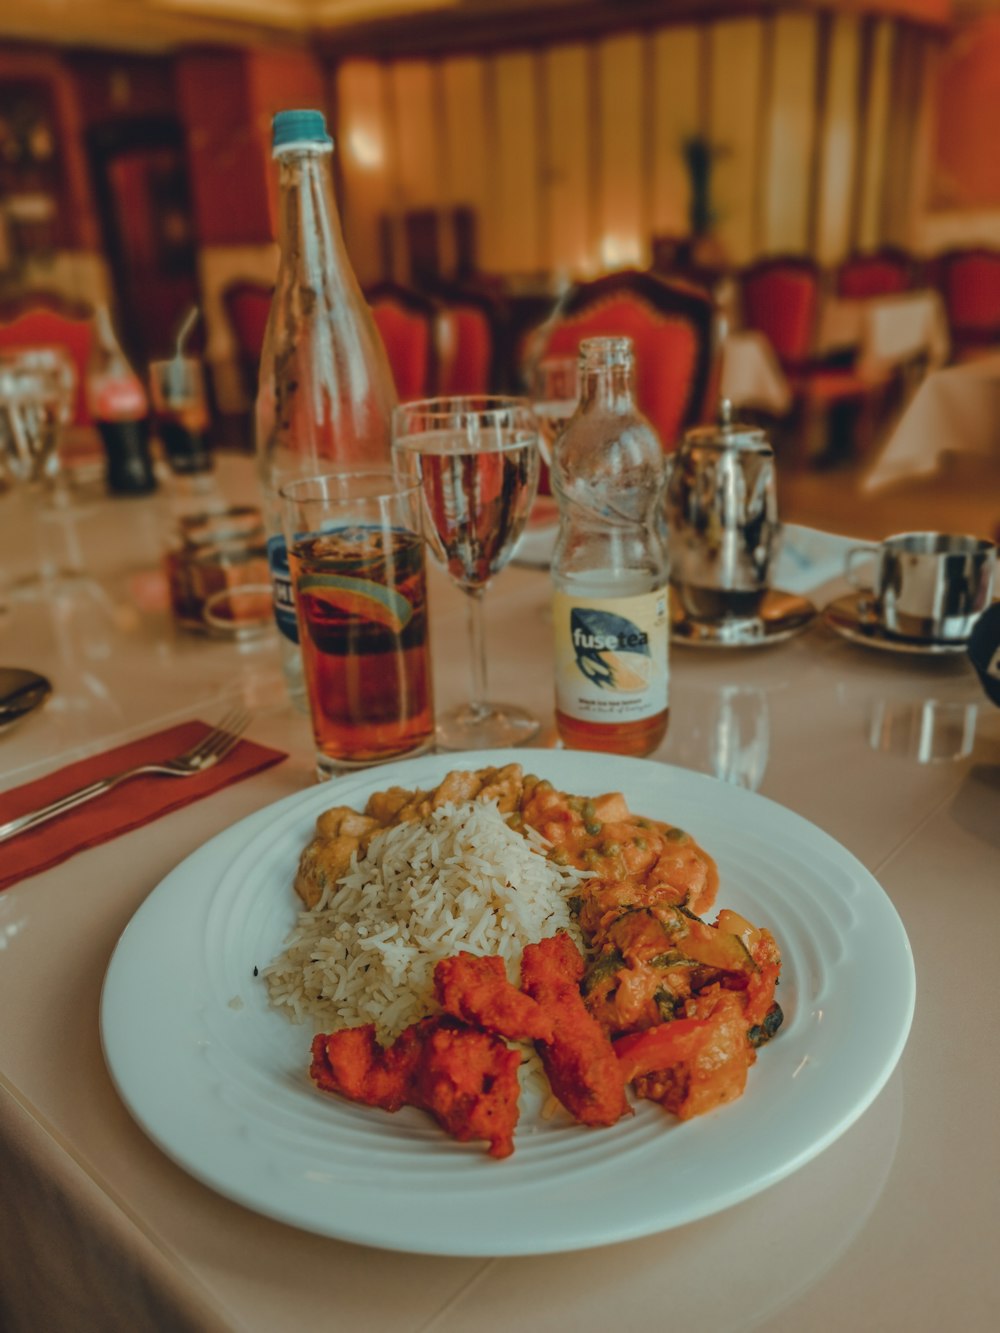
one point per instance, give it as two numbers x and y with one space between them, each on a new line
284 593
117 399
611 656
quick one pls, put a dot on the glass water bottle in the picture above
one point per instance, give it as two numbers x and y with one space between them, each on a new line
326 392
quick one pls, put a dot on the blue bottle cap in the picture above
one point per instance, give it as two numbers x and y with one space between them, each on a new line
298 127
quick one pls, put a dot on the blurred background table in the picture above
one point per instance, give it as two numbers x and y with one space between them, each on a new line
954 410
98 1229
886 332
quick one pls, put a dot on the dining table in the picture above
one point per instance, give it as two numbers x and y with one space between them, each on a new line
953 411
888 763
886 332
751 376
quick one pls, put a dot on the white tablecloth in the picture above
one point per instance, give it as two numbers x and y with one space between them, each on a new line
885 331
751 374
956 409
893 1226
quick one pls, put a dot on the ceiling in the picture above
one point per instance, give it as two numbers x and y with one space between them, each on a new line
162 24
151 25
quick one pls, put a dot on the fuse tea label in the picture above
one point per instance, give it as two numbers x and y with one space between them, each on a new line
611 652
611 656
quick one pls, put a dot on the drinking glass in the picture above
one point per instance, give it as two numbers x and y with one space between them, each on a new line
356 554
36 397
555 394
477 460
180 410
36 402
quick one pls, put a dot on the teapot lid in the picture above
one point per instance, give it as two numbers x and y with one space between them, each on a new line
725 433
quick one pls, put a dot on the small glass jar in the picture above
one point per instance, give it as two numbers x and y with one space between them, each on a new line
218 573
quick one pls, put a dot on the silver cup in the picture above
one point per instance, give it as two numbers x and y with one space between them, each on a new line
927 585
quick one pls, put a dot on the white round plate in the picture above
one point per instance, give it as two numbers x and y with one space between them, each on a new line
220 1081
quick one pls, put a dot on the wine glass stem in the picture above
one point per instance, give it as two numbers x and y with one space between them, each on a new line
478 706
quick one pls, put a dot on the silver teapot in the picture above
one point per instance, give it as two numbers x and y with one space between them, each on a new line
722 516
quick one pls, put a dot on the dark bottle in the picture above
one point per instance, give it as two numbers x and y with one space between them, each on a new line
120 410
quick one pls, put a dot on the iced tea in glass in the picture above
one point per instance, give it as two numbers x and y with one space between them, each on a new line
356 555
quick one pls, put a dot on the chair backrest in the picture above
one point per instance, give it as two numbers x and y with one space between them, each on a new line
970 286
247 303
780 298
46 319
875 273
406 321
468 341
671 325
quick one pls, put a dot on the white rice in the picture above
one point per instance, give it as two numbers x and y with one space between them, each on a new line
461 879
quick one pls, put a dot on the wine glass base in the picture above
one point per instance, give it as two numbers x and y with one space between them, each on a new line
494 727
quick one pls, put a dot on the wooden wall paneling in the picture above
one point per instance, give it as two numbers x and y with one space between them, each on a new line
542 169
926 120
464 152
364 146
566 154
513 198
821 72
877 98
897 221
736 91
866 57
417 172
676 109
229 165
791 134
763 113
491 222
839 145
620 70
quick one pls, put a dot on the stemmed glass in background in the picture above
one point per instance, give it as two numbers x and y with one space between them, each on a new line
478 464
36 397
555 393
36 402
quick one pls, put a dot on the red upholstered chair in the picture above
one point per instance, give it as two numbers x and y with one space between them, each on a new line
247 304
43 319
468 343
874 273
671 325
970 287
406 321
781 298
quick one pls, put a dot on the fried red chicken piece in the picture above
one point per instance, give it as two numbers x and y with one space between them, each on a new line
579 1060
477 991
352 1063
465 1078
468 1081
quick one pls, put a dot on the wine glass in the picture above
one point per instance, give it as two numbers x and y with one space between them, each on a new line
36 401
36 395
555 393
477 459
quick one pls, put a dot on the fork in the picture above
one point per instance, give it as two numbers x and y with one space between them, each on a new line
210 750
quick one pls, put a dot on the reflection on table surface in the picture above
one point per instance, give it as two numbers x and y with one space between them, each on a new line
897 758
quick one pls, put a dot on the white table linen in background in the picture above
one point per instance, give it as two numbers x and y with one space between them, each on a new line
99 1230
954 410
885 331
751 374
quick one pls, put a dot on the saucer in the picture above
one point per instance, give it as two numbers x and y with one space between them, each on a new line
846 617
782 615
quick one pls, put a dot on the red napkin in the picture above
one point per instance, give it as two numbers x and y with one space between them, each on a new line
136 802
